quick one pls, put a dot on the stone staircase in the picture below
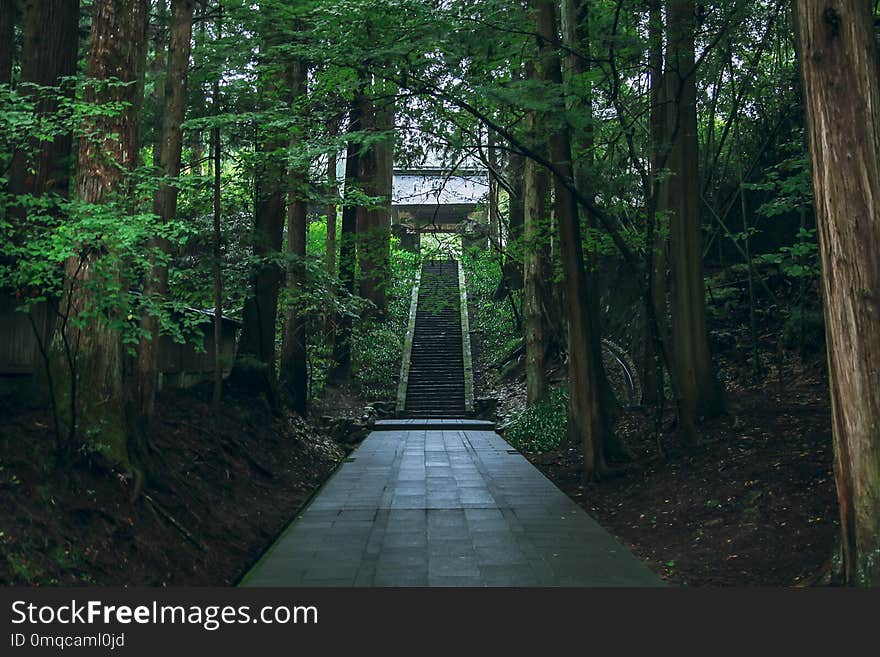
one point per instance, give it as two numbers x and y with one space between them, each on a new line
435 385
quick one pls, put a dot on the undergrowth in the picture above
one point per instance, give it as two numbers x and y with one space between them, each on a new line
494 321
377 345
542 426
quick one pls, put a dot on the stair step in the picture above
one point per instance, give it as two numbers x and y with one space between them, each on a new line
436 375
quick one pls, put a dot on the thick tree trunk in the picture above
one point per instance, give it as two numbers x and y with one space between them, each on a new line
98 400
255 365
840 74
348 248
655 296
586 422
7 39
536 188
385 151
49 53
373 222
294 357
575 16
698 390
167 159
255 359
159 69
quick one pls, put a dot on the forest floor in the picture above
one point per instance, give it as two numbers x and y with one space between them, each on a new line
753 505
230 485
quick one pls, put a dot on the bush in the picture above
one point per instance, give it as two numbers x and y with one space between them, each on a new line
542 426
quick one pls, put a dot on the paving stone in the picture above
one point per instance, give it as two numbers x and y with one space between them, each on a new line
445 504
460 566
404 539
445 547
499 555
400 577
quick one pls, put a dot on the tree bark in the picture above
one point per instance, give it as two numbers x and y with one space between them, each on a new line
117 49
294 356
217 252
7 39
159 71
348 247
385 152
840 75
586 423
331 246
494 227
575 16
652 368
512 275
373 222
167 159
699 392
255 359
536 188
50 42
255 362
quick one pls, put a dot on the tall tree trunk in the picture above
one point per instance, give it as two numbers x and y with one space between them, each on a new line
49 53
167 159
348 247
216 157
576 35
512 275
385 151
698 390
294 357
535 188
159 71
255 359
117 49
373 222
7 39
198 102
217 251
494 227
586 422
840 75
255 363
654 314
331 246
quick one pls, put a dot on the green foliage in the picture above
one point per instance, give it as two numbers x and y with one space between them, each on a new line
799 260
376 352
789 184
542 426
377 346
495 323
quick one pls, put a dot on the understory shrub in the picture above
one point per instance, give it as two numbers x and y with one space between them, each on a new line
542 426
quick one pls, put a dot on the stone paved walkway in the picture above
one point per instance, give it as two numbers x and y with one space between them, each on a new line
445 506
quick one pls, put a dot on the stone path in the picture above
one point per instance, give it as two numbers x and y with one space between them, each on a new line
442 503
